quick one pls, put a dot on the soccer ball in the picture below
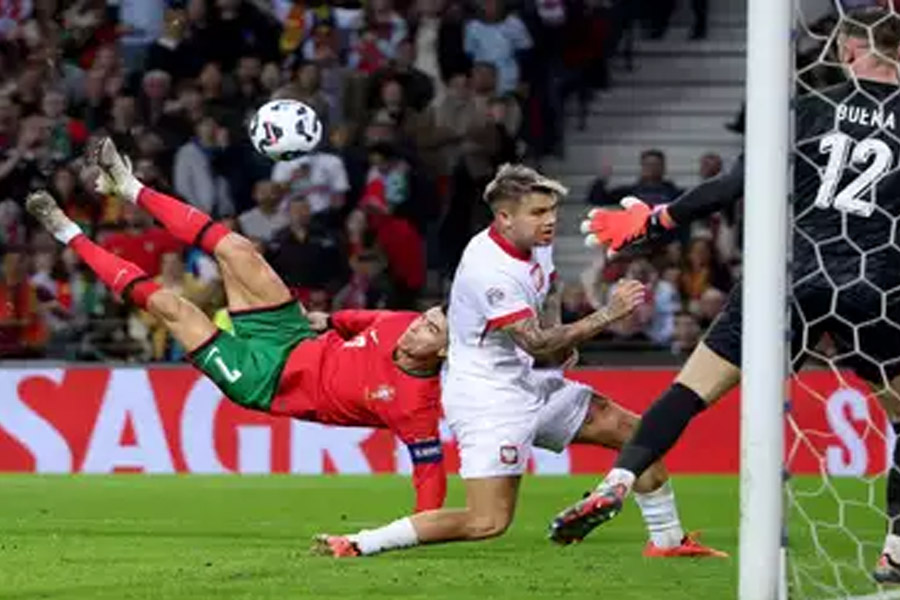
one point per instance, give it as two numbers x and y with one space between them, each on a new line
285 129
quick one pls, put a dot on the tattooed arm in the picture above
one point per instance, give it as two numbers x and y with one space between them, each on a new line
551 314
542 342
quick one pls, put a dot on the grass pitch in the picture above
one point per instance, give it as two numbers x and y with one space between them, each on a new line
247 537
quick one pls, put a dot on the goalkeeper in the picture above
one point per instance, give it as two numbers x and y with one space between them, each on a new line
847 196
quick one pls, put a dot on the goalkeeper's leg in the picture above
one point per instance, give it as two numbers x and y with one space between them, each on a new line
250 282
610 425
708 374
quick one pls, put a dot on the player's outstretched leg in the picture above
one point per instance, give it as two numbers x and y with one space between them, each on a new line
490 505
610 425
250 283
704 379
187 323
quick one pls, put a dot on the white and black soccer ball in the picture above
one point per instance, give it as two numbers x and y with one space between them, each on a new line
285 129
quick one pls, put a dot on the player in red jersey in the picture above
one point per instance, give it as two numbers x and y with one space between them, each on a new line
372 368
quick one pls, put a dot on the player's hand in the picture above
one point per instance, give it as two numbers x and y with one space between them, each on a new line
616 229
625 298
318 321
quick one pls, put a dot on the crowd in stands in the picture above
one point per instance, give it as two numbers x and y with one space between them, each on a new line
421 100
689 277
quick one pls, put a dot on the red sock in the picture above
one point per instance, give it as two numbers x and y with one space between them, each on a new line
124 278
182 220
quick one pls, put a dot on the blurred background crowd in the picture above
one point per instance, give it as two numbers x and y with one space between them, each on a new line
421 100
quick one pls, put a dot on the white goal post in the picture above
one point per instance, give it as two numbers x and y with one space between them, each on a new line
768 143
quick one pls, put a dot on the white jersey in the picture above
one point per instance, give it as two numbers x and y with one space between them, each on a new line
495 285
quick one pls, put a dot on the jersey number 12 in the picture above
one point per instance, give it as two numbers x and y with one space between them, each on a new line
838 146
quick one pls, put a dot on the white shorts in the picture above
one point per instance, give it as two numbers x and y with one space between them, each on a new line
496 445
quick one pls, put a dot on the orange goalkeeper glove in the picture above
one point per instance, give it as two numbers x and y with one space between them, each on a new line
617 229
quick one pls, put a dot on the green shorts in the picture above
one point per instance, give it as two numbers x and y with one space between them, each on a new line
247 365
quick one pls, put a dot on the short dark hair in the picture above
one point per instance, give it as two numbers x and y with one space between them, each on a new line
514 181
653 153
883 25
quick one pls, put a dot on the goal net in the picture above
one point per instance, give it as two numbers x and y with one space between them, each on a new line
838 440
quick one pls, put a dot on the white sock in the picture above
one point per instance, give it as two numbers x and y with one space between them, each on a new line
619 477
661 516
892 547
398 534
67 233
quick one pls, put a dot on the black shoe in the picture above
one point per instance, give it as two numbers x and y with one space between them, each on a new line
886 571
574 523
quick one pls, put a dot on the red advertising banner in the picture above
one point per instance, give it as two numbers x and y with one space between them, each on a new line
165 420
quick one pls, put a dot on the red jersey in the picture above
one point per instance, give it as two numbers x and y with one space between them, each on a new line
348 376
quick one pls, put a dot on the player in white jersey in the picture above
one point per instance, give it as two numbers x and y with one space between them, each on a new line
504 322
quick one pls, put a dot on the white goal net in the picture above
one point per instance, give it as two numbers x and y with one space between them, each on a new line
838 439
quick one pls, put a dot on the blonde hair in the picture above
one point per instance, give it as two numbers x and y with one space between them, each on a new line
512 182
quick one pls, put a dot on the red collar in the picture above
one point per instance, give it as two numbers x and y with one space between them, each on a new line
507 246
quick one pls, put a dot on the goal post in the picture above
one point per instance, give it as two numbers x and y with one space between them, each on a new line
766 192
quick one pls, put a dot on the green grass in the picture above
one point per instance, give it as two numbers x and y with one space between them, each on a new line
230 537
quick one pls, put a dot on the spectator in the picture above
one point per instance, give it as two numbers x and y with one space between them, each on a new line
139 241
575 304
418 89
452 56
270 79
666 304
686 334
307 88
484 84
95 107
78 206
377 41
196 179
711 303
173 276
22 330
124 126
702 270
269 216
51 286
28 165
67 135
172 52
638 324
426 41
8 119
495 38
304 254
141 22
387 193
319 178
182 115
249 93
156 87
710 165
215 102
239 29
652 186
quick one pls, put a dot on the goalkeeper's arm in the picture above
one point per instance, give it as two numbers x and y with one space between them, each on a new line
640 223
708 197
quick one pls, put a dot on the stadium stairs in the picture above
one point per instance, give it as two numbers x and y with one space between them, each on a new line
678 98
